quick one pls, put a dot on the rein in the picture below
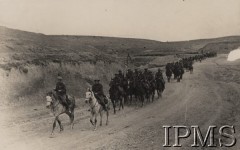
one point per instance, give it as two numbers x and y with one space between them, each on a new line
94 105
52 104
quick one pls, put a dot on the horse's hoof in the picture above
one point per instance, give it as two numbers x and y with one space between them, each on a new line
51 135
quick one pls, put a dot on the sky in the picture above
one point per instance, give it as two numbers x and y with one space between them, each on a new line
162 20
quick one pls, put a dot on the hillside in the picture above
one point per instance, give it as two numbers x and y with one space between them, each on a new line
30 62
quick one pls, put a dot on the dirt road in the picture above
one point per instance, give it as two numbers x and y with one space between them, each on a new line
209 96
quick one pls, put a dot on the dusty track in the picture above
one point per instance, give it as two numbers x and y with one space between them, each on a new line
209 96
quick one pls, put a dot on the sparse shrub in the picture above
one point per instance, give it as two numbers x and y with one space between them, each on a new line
23 69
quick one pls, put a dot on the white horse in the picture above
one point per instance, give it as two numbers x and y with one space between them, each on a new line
95 109
58 109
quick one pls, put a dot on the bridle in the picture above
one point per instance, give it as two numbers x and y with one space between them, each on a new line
95 101
50 100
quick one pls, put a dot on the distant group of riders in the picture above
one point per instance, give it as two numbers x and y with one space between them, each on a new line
135 85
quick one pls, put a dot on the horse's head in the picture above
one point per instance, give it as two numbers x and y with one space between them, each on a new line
89 95
49 99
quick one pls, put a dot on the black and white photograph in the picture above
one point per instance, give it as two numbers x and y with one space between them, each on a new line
119 74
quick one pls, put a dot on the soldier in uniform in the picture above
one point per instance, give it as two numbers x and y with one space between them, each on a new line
140 76
97 89
150 76
121 78
61 92
159 74
145 74
129 74
120 74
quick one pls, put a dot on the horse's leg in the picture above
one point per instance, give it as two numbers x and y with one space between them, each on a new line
54 125
126 98
149 97
95 122
107 117
91 119
100 117
146 96
71 117
60 124
153 93
130 99
123 101
114 106
120 103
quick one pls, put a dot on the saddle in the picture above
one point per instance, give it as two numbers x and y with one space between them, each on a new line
68 100
64 99
101 98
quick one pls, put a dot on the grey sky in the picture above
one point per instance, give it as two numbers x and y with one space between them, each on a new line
164 20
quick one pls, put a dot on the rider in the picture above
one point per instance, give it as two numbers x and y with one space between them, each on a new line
61 92
150 77
117 80
129 74
121 77
120 74
158 74
145 74
140 76
97 89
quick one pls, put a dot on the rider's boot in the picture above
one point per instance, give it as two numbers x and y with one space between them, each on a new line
66 106
65 103
104 106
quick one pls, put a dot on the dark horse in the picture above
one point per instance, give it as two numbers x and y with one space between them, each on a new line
58 109
149 88
160 86
168 74
177 73
190 67
129 90
116 95
139 91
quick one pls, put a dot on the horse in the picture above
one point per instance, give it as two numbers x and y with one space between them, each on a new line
95 108
116 95
177 73
181 72
139 91
152 89
129 91
191 68
147 90
160 86
168 74
58 109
